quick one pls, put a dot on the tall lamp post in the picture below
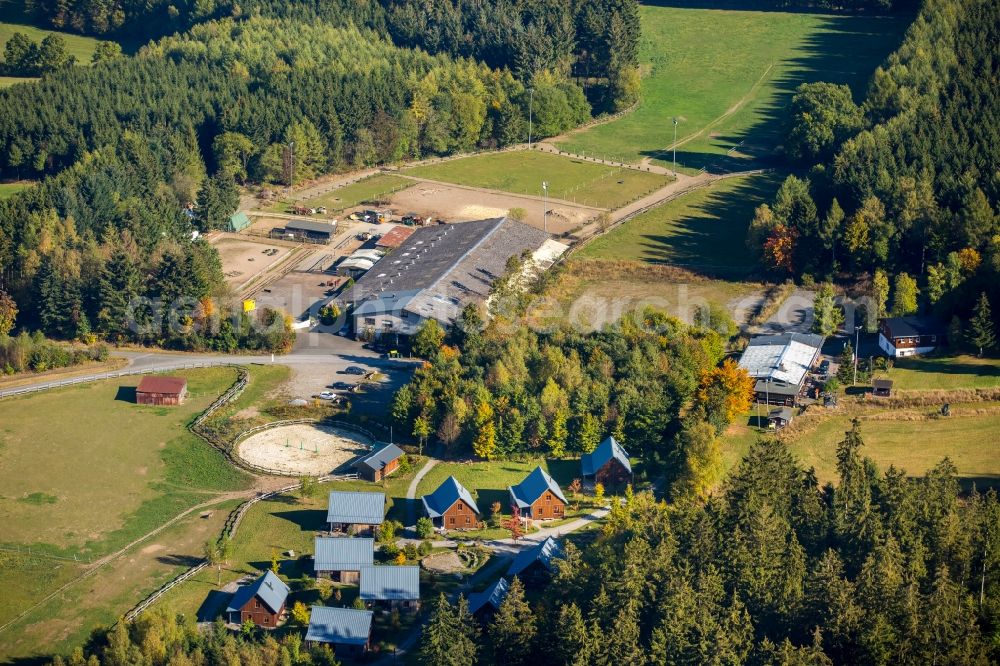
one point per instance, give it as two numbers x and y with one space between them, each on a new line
857 336
291 163
675 145
545 206
531 101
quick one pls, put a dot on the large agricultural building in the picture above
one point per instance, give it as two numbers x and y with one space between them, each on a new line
309 231
780 364
437 272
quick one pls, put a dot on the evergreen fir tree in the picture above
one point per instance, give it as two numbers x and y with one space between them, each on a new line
982 334
512 633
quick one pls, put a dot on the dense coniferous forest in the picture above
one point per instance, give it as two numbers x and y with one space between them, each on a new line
205 110
905 182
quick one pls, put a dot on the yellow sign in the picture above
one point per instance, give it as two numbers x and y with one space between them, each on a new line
249 305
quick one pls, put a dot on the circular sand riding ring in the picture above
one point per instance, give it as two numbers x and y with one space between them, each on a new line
303 449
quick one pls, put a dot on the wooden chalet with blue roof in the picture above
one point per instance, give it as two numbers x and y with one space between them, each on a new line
538 497
262 602
534 565
451 506
608 464
484 605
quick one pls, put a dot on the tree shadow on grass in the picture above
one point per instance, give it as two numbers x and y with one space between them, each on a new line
179 560
948 366
488 496
564 471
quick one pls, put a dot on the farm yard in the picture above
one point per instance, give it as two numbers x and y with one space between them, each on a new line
243 261
570 180
734 95
339 199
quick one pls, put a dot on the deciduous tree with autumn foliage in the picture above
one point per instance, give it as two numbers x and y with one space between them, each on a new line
724 392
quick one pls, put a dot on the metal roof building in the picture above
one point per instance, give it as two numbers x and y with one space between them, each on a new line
269 588
437 271
493 595
344 626
343 554
543 553
781 358
356 508
534 486
395 237
605 451
449 492
379 459
390 583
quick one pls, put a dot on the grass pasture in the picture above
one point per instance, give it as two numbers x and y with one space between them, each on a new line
727 75
77 45
944 373
703 231
367 189
84 470
7 190
522 172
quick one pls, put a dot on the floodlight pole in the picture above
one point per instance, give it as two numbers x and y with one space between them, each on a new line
857 334
531 101
675 145
545 206
291 163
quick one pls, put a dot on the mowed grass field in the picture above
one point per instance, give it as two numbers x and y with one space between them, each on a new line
80 47
348 196
522 172
84 470
703 231
944 373
8 190
727 75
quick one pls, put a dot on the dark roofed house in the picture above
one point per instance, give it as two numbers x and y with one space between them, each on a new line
348 630
159 390
451 506
261 602
608 464
882 388
379 464
484 605
909 336
534 565
538 497
396 587
779 417
350 511
341 558
780 364
310 230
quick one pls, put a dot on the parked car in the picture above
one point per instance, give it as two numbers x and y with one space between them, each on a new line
354 370
341 386
824 367
327 395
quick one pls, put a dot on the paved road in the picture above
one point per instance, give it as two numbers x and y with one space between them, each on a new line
794 316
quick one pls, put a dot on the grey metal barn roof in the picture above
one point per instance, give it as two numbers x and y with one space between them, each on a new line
781 358
344 626
381 458
449 492
493 595
271 590
448 265
342 553
311 226
390 583
783 413
543 552
605 451
356 507
533 487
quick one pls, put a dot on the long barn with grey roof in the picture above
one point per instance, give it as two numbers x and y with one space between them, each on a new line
436 272
341 558
354 511
347 629
398 587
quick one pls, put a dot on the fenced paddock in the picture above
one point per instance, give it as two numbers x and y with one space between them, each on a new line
302 448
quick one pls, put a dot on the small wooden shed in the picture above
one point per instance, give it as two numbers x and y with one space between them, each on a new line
157 390
882 388
780 417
